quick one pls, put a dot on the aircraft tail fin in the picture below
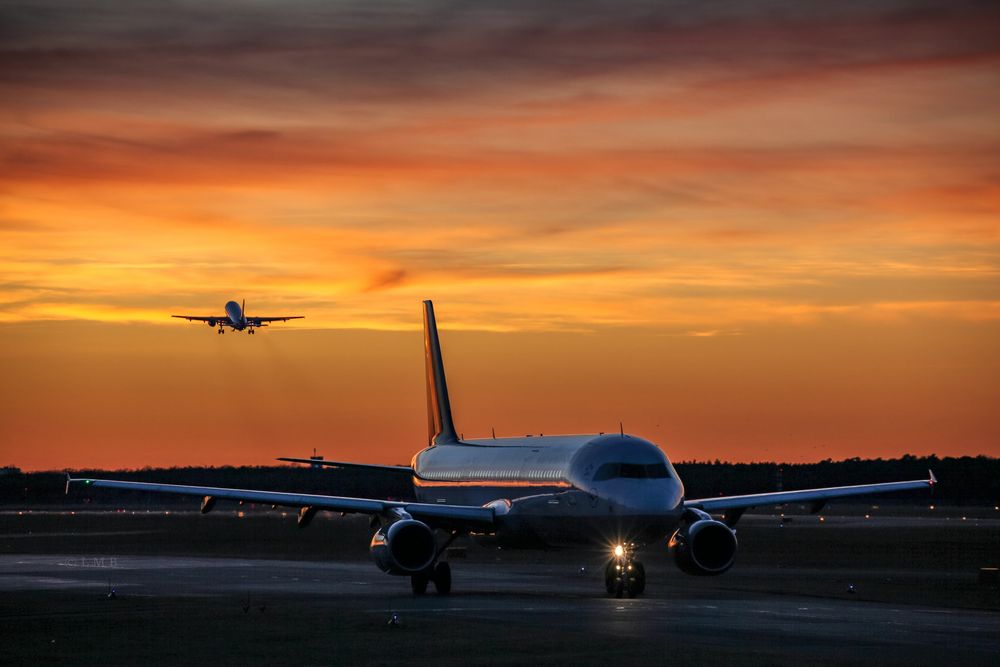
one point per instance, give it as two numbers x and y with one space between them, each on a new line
440 427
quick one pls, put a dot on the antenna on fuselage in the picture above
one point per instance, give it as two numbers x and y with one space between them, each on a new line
621 429
440 427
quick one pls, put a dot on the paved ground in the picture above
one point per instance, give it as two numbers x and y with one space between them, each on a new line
227 610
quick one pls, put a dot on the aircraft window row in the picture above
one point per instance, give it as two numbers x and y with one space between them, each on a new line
509 474
631 471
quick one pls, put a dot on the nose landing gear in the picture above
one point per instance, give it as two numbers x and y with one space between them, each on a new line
624 575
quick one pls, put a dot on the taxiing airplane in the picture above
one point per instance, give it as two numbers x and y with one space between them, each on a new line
614 491
236 319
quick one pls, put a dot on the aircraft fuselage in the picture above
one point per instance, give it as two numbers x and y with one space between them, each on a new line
558 491
235 314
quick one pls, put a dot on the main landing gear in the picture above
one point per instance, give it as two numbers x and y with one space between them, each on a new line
221 330
624 575
438 572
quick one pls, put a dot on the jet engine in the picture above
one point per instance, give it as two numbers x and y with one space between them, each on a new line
705 547
211 323
403 547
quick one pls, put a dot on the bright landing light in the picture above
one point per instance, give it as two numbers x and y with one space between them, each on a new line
619 551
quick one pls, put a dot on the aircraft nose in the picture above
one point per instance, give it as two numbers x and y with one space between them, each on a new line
654 497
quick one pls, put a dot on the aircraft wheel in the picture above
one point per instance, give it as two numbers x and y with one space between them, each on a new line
442 578
609 578
418 582
637 582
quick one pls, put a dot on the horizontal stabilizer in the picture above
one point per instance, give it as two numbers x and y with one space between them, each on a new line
403 470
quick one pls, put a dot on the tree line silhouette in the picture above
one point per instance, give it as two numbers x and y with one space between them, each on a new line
963 480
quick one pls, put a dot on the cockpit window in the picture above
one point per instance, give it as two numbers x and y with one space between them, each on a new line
631 471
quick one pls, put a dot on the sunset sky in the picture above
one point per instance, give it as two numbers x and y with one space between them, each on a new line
748 231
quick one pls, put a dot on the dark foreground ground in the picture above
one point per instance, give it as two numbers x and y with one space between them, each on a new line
219 589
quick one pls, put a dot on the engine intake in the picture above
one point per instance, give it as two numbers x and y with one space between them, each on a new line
211 323
706 547
403 547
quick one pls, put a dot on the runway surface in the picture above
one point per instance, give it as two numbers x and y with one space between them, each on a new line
227 610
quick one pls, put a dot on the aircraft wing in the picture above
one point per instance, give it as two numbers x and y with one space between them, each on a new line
199 318
805 495
453 516
275 319
403 470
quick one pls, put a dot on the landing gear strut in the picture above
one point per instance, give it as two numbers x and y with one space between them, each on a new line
624 575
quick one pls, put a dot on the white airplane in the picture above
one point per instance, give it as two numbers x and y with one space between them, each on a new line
612 491
236 319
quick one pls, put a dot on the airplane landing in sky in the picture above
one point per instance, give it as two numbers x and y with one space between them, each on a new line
236 319
611 491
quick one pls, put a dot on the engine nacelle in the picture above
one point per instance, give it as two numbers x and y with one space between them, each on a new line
211 323
706 547
403 547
